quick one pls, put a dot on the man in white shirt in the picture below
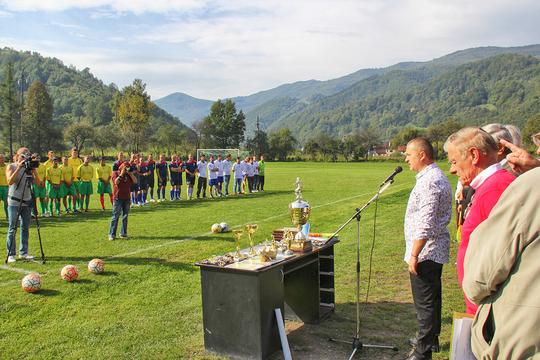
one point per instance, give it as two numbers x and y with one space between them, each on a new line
250 173
226 173
238 169
213 170
202 182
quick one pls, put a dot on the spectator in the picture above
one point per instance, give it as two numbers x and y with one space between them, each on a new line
501 274
472 154
123 179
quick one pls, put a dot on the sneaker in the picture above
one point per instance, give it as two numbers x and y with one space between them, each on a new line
111 238
75 211
26 257
124 236
68 211
152 200
86 210
102 209
11 259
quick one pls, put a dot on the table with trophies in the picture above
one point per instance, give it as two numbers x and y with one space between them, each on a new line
240 290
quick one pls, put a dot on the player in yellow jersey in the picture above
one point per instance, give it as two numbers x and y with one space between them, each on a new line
50 157
75 161
54 180
85 174
40 192
104 173
4 187
67 188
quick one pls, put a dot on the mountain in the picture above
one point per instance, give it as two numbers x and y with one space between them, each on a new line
186 108
76 94
281 102
502 88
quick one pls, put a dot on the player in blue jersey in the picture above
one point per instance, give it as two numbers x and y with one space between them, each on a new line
150 177
143 184
174 169
162 172
190 168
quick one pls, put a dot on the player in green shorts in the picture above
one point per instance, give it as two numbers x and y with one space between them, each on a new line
104 173
3 183
75 161
40 191
86 174
54 180
67 188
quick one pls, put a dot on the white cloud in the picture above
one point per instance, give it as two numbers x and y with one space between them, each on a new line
5 14
214 49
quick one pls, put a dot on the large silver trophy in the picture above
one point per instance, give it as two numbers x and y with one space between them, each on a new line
299 210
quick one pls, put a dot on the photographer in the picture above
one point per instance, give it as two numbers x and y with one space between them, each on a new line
123 179
19 177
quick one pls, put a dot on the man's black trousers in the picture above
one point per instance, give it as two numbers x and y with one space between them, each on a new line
426 290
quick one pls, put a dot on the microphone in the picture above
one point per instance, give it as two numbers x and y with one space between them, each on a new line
391 177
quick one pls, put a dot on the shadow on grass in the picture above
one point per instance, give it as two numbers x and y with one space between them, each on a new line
83 281
134 261
383 323
47 292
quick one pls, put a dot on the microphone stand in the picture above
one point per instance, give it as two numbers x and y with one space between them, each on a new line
356 343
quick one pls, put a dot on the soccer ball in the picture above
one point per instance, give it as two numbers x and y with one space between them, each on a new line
216 228
224 227
96 266
69 273
31 282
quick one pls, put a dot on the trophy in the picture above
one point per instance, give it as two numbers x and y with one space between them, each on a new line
299 210
250 229
237 236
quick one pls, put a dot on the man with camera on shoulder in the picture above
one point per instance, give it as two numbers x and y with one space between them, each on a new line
122 180
20 175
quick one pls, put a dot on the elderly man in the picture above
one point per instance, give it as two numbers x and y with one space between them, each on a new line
19 204
472 154
502 271
427 242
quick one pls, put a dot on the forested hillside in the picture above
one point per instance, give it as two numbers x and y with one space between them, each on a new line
504 88
77 95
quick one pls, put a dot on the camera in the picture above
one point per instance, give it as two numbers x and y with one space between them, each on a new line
30 162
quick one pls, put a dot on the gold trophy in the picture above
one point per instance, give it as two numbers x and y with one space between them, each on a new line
237 236
299 210
250 229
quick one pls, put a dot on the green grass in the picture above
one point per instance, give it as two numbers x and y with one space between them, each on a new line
148 303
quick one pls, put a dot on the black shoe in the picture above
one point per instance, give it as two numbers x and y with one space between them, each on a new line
434 348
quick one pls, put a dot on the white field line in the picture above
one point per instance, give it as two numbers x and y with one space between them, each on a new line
150 248
14 269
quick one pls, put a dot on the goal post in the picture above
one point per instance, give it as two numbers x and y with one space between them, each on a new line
223 152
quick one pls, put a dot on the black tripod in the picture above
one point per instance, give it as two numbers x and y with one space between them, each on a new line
356 343
28 185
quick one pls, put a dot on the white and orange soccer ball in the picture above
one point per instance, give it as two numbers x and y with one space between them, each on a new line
69 273
216 228
31 282
96 266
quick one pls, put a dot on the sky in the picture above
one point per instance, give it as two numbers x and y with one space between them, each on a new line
218 49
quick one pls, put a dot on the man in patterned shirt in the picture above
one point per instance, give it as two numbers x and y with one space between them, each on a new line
427 242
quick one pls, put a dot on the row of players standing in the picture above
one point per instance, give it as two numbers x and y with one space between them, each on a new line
248 176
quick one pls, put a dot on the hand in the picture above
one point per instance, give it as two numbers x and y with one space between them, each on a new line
519 159
413 264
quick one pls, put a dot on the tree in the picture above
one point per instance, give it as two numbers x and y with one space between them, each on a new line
223 127
438 133
281 143
368 139
532 126
258 144
132 108
105 137
77 133
38 130
407 134
9 105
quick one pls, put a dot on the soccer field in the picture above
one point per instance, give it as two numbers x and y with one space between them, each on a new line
148 302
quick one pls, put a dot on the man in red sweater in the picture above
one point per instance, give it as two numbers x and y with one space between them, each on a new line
472 154
122 181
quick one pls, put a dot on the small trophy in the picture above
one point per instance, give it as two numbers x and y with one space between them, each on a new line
299 210
237 236
250 229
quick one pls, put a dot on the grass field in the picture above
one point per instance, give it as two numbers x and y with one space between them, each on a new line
148 302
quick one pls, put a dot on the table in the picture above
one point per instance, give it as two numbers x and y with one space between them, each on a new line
238 304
